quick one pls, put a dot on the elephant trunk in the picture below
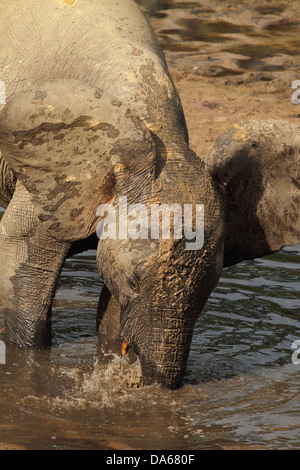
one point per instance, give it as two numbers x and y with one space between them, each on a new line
163 348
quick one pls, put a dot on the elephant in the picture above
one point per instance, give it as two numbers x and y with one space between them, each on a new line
91 116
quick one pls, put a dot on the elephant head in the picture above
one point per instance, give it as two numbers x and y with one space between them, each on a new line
162 281
76 149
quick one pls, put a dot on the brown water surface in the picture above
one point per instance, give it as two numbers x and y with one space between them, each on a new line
241 389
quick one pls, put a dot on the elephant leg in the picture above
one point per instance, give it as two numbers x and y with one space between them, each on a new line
30 263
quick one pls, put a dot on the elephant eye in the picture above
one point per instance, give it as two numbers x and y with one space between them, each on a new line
132 282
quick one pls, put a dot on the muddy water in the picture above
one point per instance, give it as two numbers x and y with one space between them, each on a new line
234 37
241 388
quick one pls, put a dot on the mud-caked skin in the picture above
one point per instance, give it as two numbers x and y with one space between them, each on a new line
92 114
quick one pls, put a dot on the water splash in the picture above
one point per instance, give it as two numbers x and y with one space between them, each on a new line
105 385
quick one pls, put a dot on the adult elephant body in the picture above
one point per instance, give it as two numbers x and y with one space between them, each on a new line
106 44
92 115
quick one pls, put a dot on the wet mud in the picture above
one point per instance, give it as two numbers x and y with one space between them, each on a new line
230 61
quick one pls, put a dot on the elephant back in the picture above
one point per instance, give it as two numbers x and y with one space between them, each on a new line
104 43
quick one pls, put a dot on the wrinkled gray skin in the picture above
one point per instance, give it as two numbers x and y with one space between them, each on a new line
92 114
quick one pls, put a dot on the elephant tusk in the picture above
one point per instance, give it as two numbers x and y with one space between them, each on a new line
125 347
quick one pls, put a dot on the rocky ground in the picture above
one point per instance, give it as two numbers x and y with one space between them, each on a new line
231 61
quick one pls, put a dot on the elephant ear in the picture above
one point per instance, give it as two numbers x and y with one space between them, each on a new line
258 165
69 143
